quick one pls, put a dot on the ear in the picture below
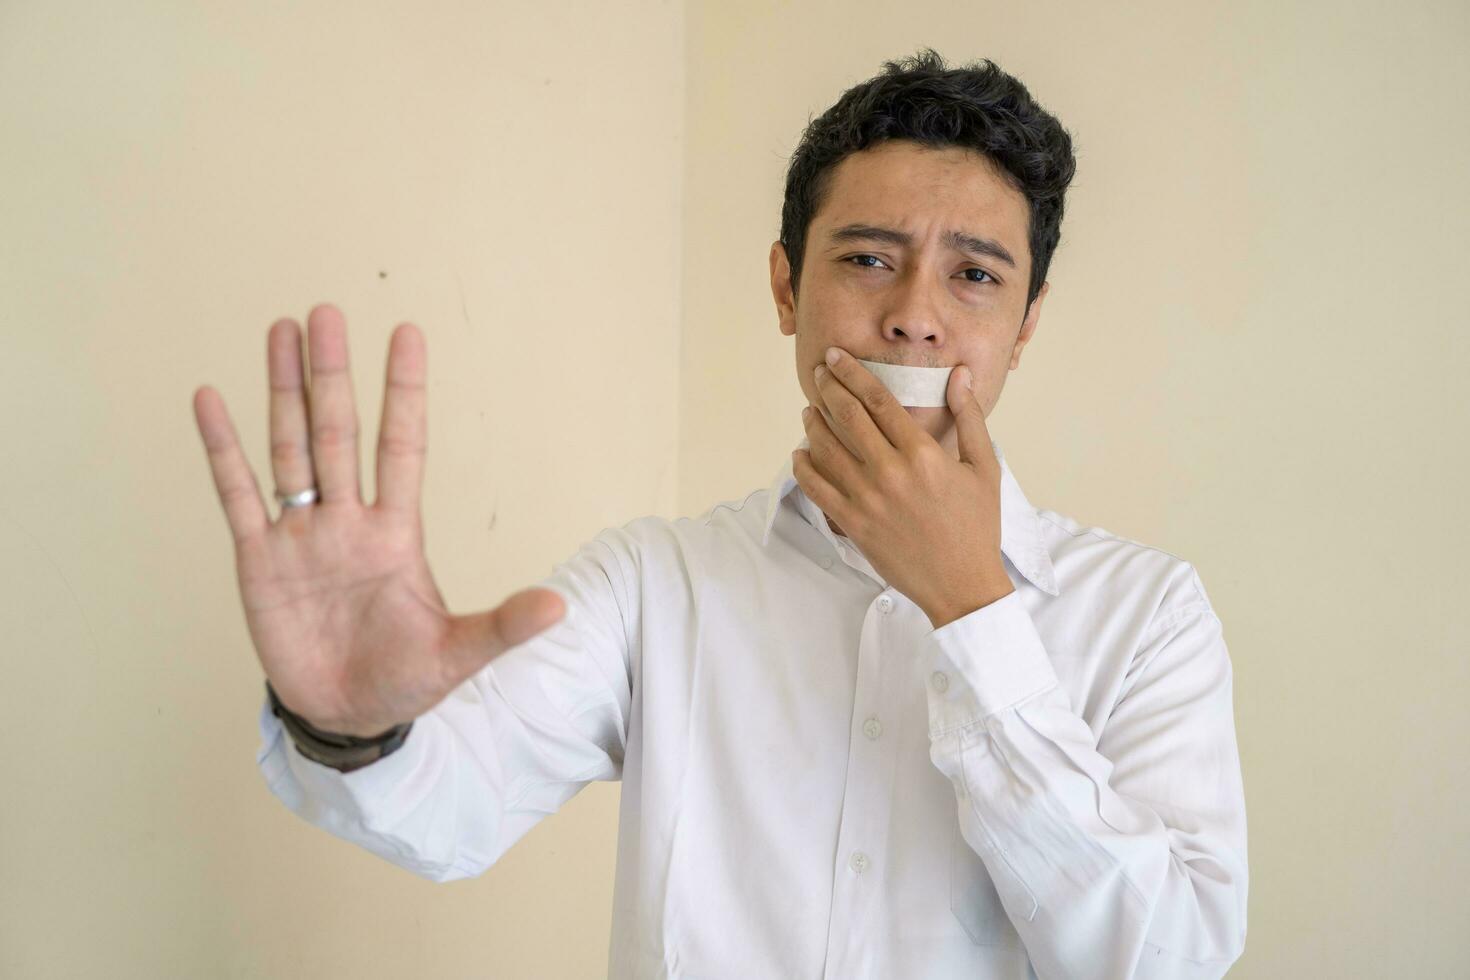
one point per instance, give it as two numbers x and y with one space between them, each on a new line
1028 326
781 288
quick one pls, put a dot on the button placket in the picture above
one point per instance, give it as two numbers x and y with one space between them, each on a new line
868 797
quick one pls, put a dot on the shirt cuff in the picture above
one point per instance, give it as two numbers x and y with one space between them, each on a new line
985 661
359 793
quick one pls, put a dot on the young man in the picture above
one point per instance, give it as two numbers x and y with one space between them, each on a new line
882 718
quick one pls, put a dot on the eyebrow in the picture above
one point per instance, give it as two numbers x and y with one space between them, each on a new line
960 241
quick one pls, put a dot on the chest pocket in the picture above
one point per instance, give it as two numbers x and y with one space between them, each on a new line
975 901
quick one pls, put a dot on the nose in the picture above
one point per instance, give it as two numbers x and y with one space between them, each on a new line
913 313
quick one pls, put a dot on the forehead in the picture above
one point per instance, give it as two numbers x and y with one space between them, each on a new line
908 185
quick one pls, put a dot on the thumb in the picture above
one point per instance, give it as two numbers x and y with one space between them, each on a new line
477 639
971 434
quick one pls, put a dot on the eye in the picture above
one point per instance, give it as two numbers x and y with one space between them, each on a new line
857 259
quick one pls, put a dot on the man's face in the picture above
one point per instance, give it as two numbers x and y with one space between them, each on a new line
926 303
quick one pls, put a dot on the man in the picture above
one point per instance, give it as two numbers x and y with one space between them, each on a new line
883 718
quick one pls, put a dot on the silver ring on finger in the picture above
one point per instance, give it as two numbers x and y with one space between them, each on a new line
300 499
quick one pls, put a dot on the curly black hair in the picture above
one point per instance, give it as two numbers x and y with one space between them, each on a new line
979 107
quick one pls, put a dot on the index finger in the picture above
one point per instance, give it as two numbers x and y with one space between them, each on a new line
403 431
885 420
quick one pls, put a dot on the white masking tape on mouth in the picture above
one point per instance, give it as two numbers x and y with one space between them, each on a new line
920 387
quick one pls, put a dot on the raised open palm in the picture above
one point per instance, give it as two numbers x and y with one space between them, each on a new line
345 616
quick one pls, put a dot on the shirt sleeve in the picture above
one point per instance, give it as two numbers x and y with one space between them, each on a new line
1120 857
502 751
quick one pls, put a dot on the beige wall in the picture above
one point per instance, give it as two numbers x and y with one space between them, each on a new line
175 179
1251 356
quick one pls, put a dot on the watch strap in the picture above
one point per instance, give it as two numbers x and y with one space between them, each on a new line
344 753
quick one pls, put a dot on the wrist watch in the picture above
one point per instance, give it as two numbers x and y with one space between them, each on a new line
341 752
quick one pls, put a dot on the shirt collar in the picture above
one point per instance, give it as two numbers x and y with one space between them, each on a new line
1020 528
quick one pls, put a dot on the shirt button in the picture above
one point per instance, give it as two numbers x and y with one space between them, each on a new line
885 603
826 561
858 862
940 680
872 728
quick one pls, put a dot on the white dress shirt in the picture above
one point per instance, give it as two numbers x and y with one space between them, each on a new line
819 784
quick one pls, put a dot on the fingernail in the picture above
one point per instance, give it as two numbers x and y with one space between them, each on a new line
833 354
820 372
965 377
